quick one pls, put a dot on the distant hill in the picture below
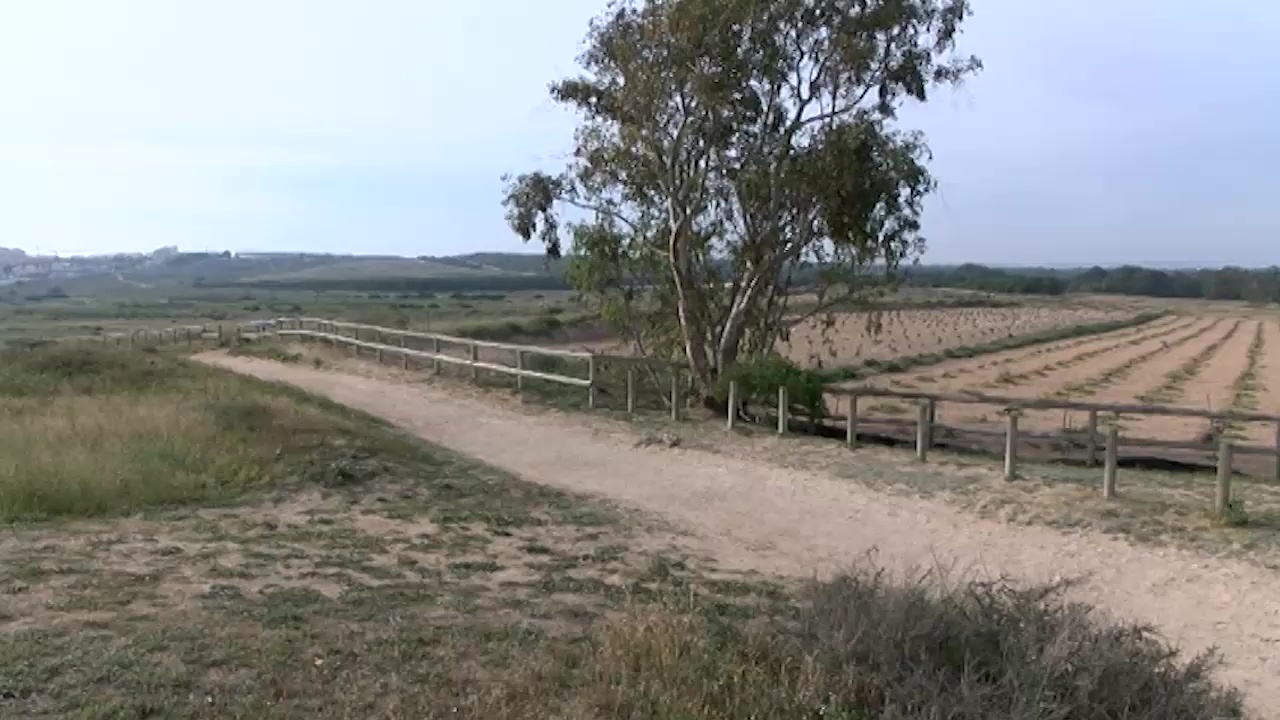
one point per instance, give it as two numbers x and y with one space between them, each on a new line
357 268
523 263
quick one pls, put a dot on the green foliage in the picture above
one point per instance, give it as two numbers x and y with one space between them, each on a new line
1227 283
61 368
1235 515
729 146
759 379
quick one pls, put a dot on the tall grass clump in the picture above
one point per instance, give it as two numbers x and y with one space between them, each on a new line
867 646
87 432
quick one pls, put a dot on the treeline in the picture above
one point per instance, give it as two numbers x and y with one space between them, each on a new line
1228 283
420 285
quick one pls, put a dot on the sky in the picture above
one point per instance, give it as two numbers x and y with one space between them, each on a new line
1100 132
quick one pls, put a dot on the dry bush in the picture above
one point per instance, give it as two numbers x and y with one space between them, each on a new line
865 645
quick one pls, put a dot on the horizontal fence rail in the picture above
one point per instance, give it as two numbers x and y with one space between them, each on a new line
1017 403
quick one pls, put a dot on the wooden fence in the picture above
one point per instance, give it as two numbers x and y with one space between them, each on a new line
925 428
383 341
1101 435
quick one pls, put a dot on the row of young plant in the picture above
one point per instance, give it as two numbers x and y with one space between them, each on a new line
1009 379
1175 381
1107 377
1157 328
758 382
873 366
1248 385
936 329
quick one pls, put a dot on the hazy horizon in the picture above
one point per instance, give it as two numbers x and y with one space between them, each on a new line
1098 134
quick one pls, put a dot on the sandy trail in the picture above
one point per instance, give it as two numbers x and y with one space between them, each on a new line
757 516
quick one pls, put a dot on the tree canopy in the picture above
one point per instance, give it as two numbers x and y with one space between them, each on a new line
727 146
1227 283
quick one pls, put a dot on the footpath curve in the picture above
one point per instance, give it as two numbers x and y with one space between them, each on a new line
755 516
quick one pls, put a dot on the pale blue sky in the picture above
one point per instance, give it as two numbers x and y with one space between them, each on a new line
1101 131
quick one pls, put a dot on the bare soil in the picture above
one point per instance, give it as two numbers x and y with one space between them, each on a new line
851 337
1208 389
987 370
771 517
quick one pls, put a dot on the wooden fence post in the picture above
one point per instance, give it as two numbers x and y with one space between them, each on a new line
631 390
1091 457
851 426
435 348
675 394
1112 460
1011 446
1222 498
1277 466
782 409
933 416
591 381
922 432
731 415
475 358
520 367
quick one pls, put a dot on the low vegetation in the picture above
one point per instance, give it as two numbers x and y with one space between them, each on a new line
283 557
1248 385
1108 376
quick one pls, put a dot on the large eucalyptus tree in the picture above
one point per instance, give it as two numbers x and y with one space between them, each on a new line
728 146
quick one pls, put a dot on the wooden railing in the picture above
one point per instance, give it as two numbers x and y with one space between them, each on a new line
383 341
374 338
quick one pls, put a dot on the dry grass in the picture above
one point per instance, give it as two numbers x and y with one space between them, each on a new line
91 432
298 560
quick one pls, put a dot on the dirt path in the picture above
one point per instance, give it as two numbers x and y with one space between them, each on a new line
756 516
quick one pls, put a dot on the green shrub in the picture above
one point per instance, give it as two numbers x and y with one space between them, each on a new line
758 382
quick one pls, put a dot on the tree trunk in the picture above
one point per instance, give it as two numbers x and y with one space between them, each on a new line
692 332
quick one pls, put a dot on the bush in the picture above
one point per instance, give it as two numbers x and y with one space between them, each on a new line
863 646
758 382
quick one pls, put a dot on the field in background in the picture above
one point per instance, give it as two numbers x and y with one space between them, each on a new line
1214 362
100 307
854 338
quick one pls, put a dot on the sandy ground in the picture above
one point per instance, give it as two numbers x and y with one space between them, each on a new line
757 516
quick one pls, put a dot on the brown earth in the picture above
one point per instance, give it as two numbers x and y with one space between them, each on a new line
756 515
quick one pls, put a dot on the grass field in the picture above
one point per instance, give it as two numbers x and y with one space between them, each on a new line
184 543
98 306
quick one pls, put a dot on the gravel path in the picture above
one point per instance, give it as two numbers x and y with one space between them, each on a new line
756 516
